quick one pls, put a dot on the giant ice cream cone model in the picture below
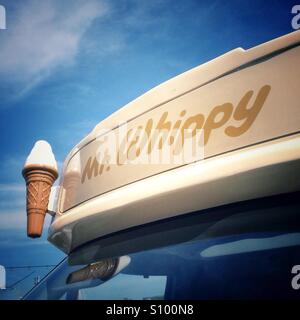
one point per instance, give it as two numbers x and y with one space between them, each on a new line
39 172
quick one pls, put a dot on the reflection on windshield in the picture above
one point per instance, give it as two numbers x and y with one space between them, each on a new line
243 251
102 270
252 245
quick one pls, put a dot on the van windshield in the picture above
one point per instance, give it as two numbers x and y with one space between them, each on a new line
246 250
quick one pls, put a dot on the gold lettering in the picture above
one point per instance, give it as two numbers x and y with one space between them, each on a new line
176 127
250 114
146 136
92 166
162 129
197 122
138 138
133 151
211 122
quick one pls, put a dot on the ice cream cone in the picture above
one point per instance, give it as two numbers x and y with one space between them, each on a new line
40 172
39 180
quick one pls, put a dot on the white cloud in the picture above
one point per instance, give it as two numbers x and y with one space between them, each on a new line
12 243
12 220
42 36
11 170
12 196
12 187
74 132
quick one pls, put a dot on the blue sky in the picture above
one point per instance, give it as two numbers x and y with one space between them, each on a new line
66 65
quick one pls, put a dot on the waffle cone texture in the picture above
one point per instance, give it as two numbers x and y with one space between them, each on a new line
39 181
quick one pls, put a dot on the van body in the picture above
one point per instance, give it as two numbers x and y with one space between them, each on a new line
222 224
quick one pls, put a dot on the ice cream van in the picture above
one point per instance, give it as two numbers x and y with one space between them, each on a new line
191 191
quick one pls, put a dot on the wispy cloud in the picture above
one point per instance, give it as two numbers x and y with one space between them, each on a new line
12 219
12 243
17 219
12 187
11 170
73 133
11 167
42 36
12 196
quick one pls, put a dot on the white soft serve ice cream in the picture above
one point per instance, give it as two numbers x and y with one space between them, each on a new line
41 154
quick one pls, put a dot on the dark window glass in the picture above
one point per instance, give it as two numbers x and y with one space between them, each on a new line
241 251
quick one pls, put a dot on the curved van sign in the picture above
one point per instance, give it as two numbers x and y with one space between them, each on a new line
252 104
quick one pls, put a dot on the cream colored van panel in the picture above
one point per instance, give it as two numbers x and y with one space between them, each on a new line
259 171
275 79
261 161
